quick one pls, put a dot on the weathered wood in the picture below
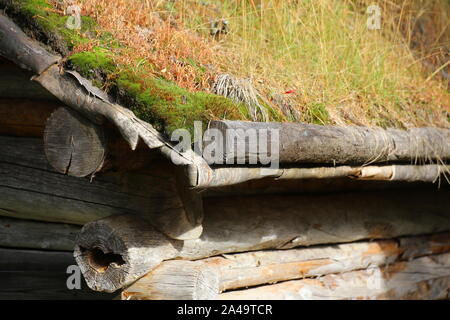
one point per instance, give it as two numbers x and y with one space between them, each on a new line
26 118
425 173
81 96
311 186
16 83
75 91
35 260
254 223
74 145
175 280
35 274
18 233
119 250
31 189
270 266
226 176
422 278
307 143
287 221
22 50
236 271
43 285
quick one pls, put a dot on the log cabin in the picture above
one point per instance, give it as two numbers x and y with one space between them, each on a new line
348 212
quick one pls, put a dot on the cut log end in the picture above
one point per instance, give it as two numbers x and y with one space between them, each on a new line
116 251
176 280
74 145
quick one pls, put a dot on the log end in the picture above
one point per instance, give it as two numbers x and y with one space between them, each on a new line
176 280
74 145
115 251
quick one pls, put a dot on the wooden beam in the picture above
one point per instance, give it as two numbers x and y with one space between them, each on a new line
178 279
422 278
35 274
226 176
25 118
18 233
307 143
22 50
272 222
175 280
16 83
74 145
31 189
269 186
14 259
271 266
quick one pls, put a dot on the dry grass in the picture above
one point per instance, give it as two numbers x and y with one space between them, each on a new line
152 41
241 91
313 61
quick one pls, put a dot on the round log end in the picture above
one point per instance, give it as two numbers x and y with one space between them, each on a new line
115 251
176 280
74 145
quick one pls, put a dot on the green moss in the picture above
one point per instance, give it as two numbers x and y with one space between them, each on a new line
169 107
88 62
157 101
48 26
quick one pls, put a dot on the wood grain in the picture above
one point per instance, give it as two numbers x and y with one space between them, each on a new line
74 145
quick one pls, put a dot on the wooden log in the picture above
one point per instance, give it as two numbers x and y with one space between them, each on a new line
72 89
287 221
269 186
254 223
18 233
410 173
226 176
119 249
22 50
307 143
43 285
236 271
24 118
271 266
31 189
175 280
13 259
74 145
35 274
16 83
422 278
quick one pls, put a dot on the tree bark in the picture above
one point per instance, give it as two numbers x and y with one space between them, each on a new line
22 50
226 176
307 143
